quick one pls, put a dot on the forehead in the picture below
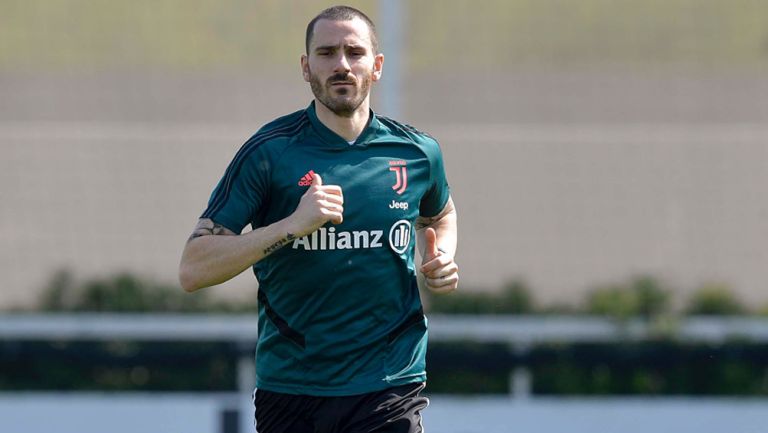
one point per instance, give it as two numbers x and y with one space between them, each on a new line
340 33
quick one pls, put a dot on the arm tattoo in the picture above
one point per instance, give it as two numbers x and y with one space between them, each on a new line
424 222
279 244
206 227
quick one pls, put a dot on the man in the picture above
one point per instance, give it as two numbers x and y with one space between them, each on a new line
334 194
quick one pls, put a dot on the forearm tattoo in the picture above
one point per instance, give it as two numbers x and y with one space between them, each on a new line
207 227
424 222
279 244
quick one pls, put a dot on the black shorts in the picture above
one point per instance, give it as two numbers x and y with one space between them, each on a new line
393 410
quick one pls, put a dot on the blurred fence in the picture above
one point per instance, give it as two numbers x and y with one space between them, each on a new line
229 412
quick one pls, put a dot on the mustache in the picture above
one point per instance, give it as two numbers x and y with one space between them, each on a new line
340 77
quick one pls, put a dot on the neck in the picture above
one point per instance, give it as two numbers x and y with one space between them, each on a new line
349 128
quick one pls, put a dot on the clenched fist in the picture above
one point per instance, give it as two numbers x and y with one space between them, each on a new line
320 204
441 273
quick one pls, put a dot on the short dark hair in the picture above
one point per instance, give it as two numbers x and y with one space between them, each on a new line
342 13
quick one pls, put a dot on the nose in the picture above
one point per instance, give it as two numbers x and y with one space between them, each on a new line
342 64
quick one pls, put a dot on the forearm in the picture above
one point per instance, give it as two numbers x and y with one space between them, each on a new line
437 239
446 228
211 260
215 254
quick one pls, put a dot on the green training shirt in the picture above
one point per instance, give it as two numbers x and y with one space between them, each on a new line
339 310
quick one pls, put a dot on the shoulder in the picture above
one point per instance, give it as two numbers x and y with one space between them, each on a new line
282 128
274 136
404 130
288 124
424 141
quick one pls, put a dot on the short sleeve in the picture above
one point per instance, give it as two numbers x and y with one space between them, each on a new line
241 191
438 192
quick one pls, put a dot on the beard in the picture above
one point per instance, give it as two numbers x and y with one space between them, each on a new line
343 101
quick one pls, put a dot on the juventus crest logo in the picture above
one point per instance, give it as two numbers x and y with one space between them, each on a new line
401 173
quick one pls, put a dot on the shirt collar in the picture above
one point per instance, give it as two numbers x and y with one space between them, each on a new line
335 139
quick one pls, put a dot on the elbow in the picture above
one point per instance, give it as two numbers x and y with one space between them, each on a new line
188 280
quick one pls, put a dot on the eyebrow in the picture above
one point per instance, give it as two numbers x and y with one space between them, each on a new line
336 47
326 47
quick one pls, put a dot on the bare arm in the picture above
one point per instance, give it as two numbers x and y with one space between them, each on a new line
214 254
438 249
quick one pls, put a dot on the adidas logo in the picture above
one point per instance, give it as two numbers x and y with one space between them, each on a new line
306 180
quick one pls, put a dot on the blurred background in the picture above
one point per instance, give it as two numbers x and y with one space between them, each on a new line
608 159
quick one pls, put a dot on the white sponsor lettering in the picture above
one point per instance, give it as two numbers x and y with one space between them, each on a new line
376 242
328 239
399 205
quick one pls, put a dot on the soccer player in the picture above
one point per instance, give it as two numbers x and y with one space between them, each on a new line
336 196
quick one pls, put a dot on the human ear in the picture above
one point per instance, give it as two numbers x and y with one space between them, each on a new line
305 67
378 65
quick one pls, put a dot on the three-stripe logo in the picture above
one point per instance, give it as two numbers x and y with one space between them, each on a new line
306 180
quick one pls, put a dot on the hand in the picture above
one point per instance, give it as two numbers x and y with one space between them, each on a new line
320 204
440 271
